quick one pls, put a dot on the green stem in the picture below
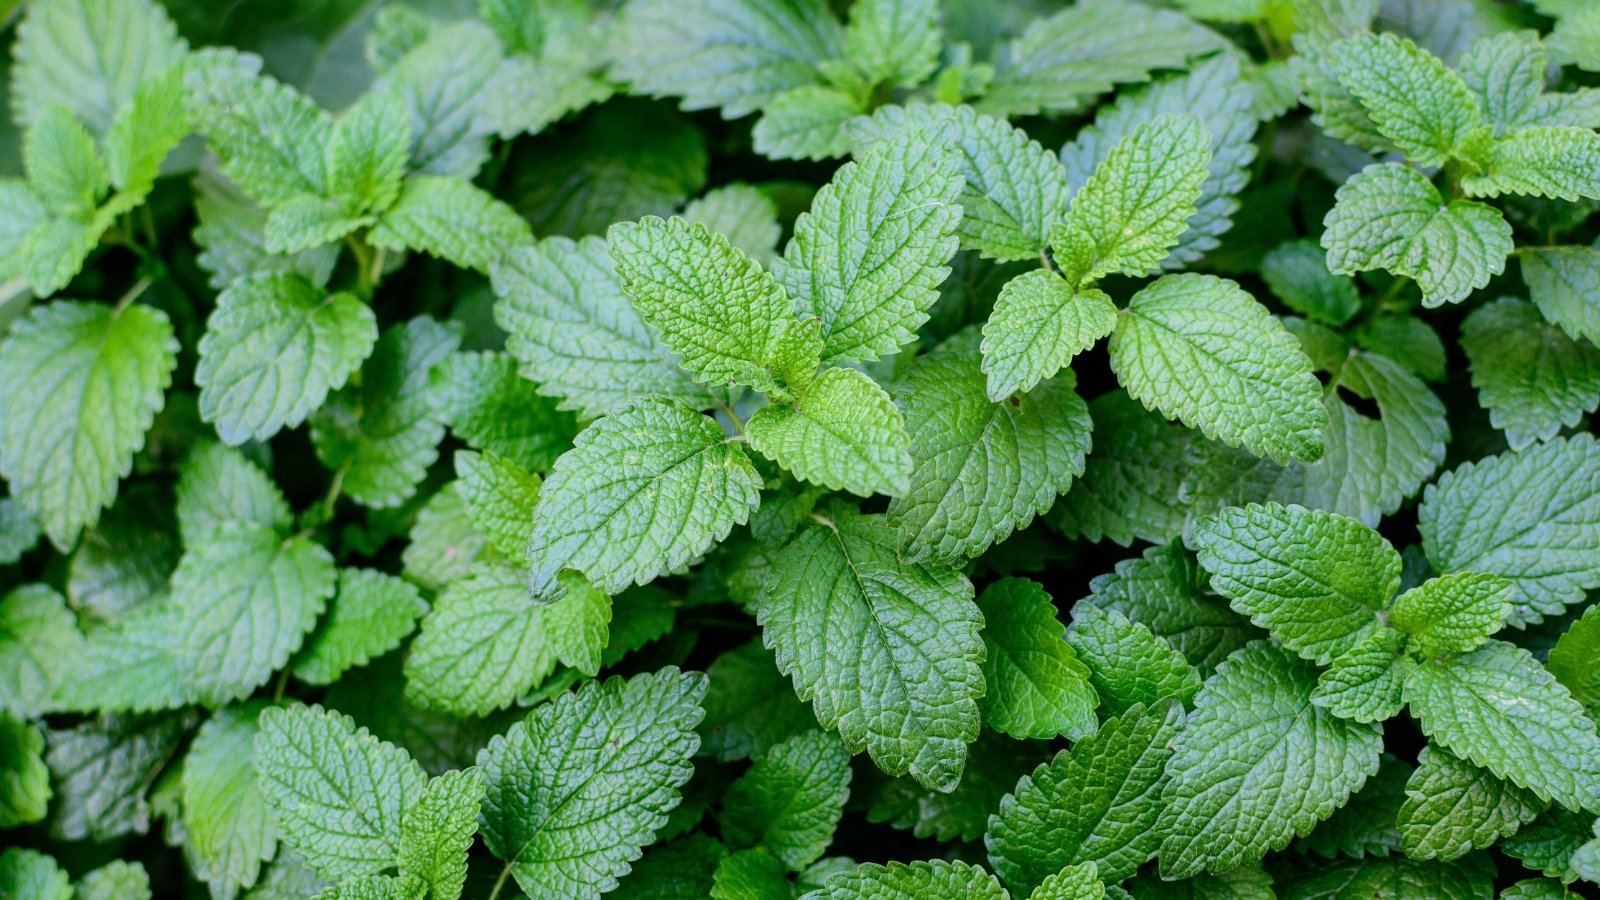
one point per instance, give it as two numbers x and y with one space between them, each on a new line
277 689
133 293
500 882
365 282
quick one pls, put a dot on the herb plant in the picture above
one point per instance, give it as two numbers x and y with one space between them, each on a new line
756 449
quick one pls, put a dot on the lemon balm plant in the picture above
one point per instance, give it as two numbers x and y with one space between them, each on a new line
772 448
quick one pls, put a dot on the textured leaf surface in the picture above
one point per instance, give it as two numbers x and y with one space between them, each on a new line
1038 325
1560 279
790 801
1036 687
1559 163
1424 108
24 778
451 219
436 832
492 408
273 141
500 497
39 638
231 831
1297 272
1569 658
750 706
218 485
1164 591
899 881
1364 683
370 614
1122 494
1453 807
1453 613
845 433
1127 662
1533 379
577 788
102 770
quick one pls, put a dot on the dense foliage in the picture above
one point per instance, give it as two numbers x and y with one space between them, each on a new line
764 448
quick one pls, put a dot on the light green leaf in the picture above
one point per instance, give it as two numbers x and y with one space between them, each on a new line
1199 348
980 469
752 874
1415 101
1095 804
1297 272
563 836
18 531
486 643
383 432
1549 843
443 84
745 215
899 881
306 221
55 252
21 213
1554 162
1038 325
442 544
1036 687
1364 682
141 137
1533 379
367 157
1390 217
130 666
116 880
1128 664
1080 882
24 779
87 382
229 830
339 793
65 170
39 640
1500 709
1316 580
274 347
805 122
231 234
495 410
370 614
1507 73
436 832
1570 658
894 41
844 433
576 334
244 599
869 256
1532 516
888 652
29 873
451 219
790 801
218 485
500 497
1165 591
1452 613
1560 282
642 492
273 141
1257 764
1125 490
1453 807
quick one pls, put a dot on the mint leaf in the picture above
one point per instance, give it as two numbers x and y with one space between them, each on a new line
1533 379
1568 659
1527 515
443 542
1128 664
38 639
1424 108
1542 742
844 432
805 122
89 381
229 830
562 836
750 707
273 349
1036 687
65 170
1453 613
894 41
231 233
1364 683
1391 217
218 485
1096 804
1561 163
937 878
1314 579
790 800
500 497
492 408
29 873
1257 764
868 257
369 615
339 793
1558 279
1453 807
1120 496
273 141
1166 592
442 84
680 489
744 214
887 652
1040 322
451 219
436 832
102 771
1297 272
1200 349
1397 876
751 874
114 881
367 157
24 779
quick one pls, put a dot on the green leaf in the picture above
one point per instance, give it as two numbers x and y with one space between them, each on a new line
1126 218
383 431
244 599
1533 379
1396 876
443 545
305 221
500 497
18 531
24 779
231 234
1071 883
1199 348
495 410
486 643
994 764
102 771
1500 709
443 84
1415 101
339 793
274 347
888 652
436 832
1036 685
1314 579
1569 659
370 614
1364 683
130 666
126 561
750 707
29 873
899 881
868 257
1549 843
21 214
805 122
1257 764
642 492
1554 162
790 801
1165 591
682 869
1095 804
1507 73
745 215
981 470
273 141
65 170
751 874
88 380
367 157
116 880
229 830
91 57
894 41
1128 664
55 252
452 220
844 433
713 305
1391 217
1297 272
218 485
1062 62
1365 826
1453 807
576 334
1040 322
566 836
1452 613
141 137
1124 492
735 54
1532 516
1560 279
39 639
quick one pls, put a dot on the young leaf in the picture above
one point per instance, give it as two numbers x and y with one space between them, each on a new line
1452 613
844 432
65 170
790 801
1165 591
370 614
642 492
899 881
887 652
1390 217
272 140
1413 99
339 793
1257 764
367 157
39 639
451 219
868 257
1559 163
1200 349
229 830
565 836
1533 379
87 382
1036 687
1453 807
1040 322
1364 683
744 214
436 832
495 410
273 349
24 778
1096 804
500 497
1128 664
